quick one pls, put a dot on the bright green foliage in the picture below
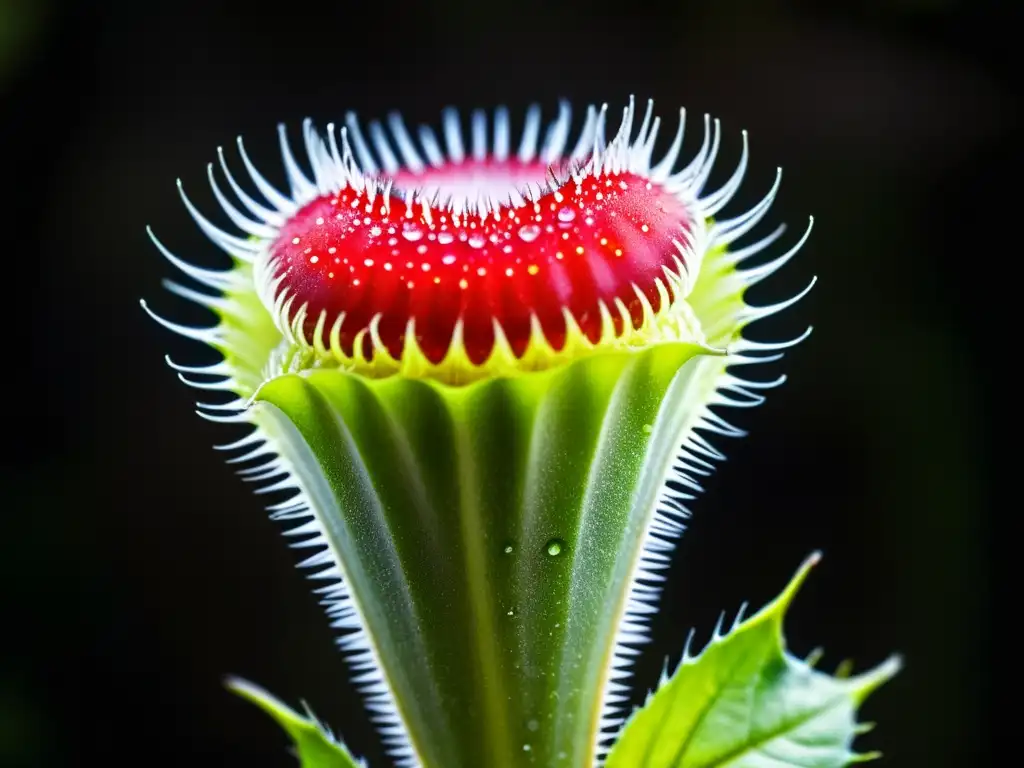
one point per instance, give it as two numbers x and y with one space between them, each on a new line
314 744
745 702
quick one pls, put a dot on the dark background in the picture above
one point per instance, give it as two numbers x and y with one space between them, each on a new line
136 570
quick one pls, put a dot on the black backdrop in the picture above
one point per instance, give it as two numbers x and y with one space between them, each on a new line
137 570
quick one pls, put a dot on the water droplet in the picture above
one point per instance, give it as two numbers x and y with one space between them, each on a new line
374 231
565 215
529 232
412 234
477 241
532 725
445 237
554 547
511 612
527 747
448 259
648 428
509 549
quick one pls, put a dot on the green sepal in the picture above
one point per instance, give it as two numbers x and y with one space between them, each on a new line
315 746
745 702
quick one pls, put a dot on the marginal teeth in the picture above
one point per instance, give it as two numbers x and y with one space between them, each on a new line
662 169
255 228
701 172
714 202
300 185
479 129
558 134
353 162
453 135
431 146
531 130
235 246
728 231
410 156
362 151
384 151
283 204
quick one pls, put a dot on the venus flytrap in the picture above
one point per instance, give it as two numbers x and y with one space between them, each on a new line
482 383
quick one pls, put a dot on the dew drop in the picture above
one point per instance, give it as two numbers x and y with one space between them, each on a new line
565 215
477 241
529 232
412 234
445 237
532 725
554 547
508 549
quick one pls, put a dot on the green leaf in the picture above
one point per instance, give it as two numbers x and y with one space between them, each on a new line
745 702
315 745
487 535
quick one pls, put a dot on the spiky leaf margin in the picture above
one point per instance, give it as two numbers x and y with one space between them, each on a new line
315 745
746 702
